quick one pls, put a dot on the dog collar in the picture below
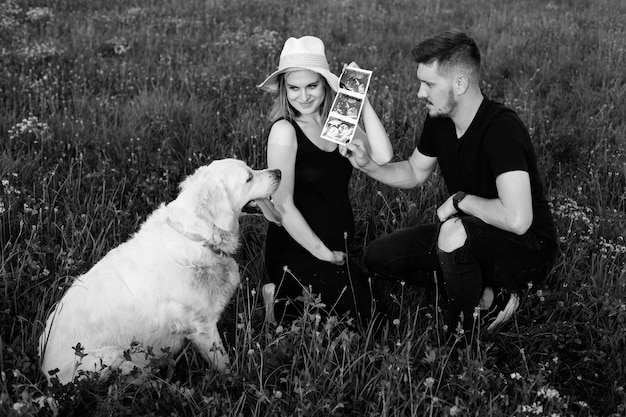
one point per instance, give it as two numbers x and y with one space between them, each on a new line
177 226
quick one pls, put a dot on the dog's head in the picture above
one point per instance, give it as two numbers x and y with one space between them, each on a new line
216 194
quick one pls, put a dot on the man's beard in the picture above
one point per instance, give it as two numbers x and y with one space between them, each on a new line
446 110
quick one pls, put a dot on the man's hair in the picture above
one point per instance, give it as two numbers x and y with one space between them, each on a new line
450 49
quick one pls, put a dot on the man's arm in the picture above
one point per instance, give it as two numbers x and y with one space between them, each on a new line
511 211
404 174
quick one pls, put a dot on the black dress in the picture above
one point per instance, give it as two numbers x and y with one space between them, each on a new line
321 195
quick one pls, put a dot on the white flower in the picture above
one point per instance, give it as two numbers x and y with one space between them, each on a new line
38 14
549 393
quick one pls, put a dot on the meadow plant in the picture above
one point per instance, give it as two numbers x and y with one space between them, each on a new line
106 106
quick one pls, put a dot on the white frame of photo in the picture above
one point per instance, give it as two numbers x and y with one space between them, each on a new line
343 119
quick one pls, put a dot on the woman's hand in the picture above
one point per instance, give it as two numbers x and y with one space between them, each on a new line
336 257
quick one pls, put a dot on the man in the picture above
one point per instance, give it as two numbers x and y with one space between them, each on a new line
496 230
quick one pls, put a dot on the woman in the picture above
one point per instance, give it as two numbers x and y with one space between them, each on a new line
309 250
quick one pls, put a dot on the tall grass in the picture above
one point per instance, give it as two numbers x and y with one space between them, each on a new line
105 106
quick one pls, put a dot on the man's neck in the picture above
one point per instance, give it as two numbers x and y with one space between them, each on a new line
465 113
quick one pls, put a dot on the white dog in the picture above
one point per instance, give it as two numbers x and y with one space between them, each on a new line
169 282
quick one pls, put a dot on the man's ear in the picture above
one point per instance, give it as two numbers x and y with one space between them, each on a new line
462 83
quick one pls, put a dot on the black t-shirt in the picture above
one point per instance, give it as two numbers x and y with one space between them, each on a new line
495 142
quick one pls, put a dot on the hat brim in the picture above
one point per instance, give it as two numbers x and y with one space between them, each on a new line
271 83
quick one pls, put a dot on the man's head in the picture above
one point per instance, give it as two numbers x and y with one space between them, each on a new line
448 67
452 51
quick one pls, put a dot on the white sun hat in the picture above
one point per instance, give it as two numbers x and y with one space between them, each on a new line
307 53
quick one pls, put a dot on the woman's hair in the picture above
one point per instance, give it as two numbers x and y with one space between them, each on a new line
450 50
283 110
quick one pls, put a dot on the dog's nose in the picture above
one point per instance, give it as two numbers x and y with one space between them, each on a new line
278 173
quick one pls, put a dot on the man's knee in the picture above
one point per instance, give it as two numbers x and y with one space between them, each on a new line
452 235
372 258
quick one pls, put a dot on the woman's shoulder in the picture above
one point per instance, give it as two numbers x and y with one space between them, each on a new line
282 132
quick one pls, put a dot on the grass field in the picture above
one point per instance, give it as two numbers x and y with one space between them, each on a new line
105 106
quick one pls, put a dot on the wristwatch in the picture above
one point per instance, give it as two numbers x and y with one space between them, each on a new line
456 199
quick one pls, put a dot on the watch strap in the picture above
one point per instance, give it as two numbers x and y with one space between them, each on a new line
456 198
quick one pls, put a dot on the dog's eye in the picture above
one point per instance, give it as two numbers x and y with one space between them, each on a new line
250 176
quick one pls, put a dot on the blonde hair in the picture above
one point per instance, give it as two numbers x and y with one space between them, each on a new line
283 110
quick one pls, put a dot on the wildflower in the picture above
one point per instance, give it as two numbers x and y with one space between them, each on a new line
396 322
39 14
516 375
429 382
40 51
532 409
30 126
114 46
454 410
549 393
264 39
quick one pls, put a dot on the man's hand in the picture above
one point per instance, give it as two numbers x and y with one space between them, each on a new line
356 154
446 210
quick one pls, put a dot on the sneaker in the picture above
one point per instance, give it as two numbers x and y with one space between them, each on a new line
500 310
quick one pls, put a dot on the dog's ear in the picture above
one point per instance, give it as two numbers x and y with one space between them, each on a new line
217 208
182 217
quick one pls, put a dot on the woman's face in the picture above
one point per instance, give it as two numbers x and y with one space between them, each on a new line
305 91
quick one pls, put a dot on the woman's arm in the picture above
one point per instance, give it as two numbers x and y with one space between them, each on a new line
281 154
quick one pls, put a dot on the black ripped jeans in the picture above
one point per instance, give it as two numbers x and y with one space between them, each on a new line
490 257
